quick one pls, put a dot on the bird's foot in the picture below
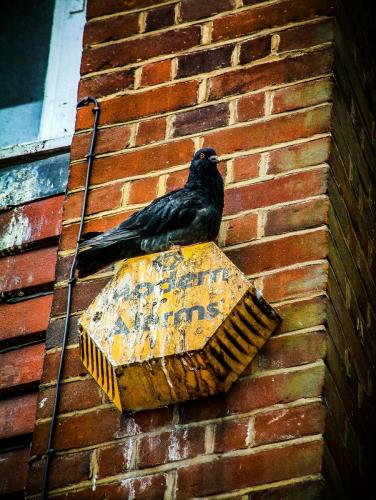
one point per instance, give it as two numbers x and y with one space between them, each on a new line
175 248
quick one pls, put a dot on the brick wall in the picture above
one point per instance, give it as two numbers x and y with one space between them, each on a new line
30 223
351 317
253 80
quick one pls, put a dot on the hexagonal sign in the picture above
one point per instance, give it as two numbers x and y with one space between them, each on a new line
173 326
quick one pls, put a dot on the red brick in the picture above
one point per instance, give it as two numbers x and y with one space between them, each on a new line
253 49
76 395
298 156
83 294
307 490
295 282
98 426
11 461
252 2
195 9
243 471
295 67
108 140
17 415
222 169
178 444
21 367
98 8
302 313
143 190
115 459
155 73
150 131
139 162
160 18
251 106
241 229
130 51
302 215
143 488
285 251
231 435
106 30
69 234
24 319
289 423
302 37
268 16
109 83
302 95
197 120
28 270
142 104
42 219
99 200
278 190
204 61
73 366
271 131
253 393
176 180
55 331
285 351
65 470
246 167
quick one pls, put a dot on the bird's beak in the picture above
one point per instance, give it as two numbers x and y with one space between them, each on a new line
214 159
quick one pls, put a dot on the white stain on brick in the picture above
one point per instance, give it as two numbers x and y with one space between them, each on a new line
17 231
144 484
42 402
131 428
127 454
94 467
174 450
129 483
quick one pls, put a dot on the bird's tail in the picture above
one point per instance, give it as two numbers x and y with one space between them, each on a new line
92 258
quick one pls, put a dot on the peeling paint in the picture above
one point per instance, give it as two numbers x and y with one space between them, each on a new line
17 232
31 181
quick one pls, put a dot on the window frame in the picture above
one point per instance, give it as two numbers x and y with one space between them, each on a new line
57 122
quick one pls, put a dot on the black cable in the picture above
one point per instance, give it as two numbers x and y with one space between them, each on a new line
90 156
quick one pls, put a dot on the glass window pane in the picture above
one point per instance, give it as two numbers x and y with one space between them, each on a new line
25 32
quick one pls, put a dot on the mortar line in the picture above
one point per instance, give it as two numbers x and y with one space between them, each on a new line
322 76
198 460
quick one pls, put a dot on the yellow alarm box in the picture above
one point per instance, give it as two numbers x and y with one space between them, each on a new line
173 326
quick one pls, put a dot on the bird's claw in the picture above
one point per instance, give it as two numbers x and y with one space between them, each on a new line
176 248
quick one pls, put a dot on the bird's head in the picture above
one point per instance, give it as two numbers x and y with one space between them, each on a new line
204 175
205 157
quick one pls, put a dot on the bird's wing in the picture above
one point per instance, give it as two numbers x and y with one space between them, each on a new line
174 210
169 212
109 238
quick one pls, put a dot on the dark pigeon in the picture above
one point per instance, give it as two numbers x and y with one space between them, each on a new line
182 217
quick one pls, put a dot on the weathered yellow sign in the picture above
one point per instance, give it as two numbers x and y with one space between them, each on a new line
173 326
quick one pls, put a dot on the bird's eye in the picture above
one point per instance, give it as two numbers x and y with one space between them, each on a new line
202 156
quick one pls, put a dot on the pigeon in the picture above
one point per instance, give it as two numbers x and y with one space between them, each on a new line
184 216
